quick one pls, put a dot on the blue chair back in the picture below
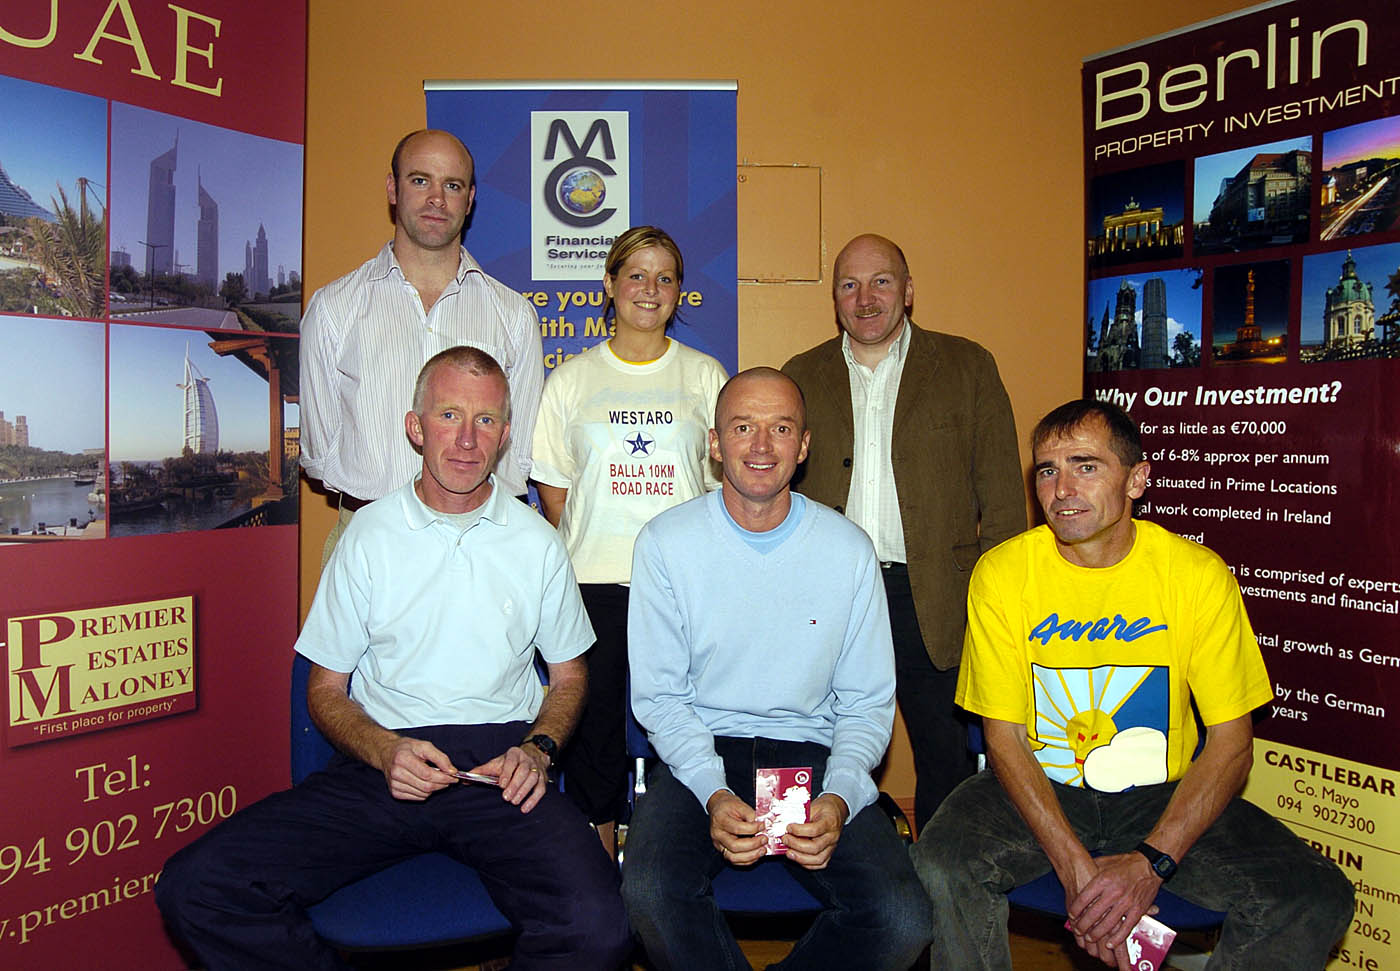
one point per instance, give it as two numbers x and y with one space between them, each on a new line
310 750
424 901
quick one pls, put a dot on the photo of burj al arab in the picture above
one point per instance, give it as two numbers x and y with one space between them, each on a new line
201 414
203 430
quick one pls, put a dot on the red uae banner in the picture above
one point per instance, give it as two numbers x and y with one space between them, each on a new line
150 266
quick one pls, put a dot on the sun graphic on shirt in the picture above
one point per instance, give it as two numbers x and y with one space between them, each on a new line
1076 710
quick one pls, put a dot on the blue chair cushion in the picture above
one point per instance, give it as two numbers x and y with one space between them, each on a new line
764 888
1047 895
424 901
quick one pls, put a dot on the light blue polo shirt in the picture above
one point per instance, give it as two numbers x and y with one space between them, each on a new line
440 623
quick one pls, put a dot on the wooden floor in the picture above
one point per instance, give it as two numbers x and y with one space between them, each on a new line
1037 944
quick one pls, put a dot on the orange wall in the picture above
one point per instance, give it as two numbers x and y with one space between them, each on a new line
953 129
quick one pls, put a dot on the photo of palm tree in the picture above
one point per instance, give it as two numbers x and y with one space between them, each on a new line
53 213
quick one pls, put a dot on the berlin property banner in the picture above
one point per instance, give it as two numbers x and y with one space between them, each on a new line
562 167
1242 244
150 258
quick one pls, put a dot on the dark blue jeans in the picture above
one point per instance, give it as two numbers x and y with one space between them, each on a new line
238 895
875 915
1286 903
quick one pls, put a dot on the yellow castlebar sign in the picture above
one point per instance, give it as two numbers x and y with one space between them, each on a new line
1348 811
87 670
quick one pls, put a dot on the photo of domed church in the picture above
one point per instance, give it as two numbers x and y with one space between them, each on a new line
1351 305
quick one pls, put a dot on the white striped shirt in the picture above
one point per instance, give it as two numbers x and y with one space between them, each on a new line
873 502
365 337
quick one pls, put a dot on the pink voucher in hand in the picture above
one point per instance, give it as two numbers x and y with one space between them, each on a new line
781 796
1147 945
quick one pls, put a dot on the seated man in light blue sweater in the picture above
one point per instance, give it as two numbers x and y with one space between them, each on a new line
758 637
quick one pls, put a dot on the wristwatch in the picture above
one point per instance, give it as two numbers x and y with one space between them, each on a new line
550 748
1162 865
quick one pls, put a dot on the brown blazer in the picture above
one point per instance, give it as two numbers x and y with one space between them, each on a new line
956 466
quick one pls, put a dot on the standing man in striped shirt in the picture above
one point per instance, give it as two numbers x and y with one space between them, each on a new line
914 440
365 336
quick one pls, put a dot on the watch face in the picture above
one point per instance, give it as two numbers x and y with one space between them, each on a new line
1162 864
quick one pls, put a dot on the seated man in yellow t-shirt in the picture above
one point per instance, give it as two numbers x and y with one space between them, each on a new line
1089 641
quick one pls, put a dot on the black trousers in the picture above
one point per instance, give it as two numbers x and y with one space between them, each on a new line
238 895
595 761
937 732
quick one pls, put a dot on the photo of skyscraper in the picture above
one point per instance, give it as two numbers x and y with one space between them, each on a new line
207 239
189 430
160 211
201 417
205 211
1146 321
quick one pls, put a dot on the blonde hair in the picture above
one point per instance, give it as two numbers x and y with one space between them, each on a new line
629 242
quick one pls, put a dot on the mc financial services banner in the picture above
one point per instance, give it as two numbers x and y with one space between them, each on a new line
150 257
563 167
1243 262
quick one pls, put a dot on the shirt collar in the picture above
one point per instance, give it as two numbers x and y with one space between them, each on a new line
896 353
419 515
385 263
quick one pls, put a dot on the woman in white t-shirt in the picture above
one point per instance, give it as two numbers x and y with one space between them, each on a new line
622 434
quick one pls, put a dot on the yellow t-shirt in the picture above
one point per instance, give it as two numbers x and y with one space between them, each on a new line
1101 665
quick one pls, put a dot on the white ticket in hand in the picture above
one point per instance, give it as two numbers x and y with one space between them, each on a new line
488 780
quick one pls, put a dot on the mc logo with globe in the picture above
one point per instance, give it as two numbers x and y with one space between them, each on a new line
575 188
580 190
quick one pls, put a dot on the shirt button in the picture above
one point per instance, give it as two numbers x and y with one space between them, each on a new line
847 464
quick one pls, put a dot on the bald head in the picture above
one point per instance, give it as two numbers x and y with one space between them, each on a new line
736 387
873 293
760 437
869 246
396 160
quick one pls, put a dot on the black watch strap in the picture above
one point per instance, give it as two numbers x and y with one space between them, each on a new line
1162 864
546 745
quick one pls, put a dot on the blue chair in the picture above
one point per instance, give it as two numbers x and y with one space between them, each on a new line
763 888
424 901
766 887
1046 894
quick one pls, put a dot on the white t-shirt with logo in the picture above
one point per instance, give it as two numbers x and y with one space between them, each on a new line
627 441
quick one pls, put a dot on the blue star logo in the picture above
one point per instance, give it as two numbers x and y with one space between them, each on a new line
640 443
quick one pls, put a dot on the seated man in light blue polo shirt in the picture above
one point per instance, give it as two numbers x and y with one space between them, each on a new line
758 638
436 600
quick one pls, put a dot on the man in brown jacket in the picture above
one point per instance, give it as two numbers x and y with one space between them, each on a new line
913 439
